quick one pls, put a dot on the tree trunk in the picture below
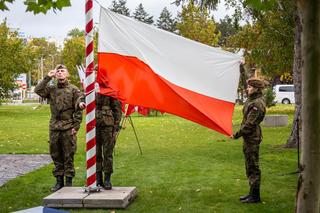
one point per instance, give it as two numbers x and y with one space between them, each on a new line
297 66
308 193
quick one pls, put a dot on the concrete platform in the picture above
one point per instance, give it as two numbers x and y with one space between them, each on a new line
76 197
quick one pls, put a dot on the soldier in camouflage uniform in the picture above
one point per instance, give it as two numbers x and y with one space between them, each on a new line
108 117
64 123
253 113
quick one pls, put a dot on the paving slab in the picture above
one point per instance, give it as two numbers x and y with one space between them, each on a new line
76 197
118 198
67 197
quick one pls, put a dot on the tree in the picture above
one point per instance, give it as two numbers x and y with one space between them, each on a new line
76 33
73 54
196 24
43 56
308 195
141 15
207 4
39 6
228 27
294 138
13 57
120 7
165 21
264 48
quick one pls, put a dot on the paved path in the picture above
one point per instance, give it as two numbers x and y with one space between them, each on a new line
12 166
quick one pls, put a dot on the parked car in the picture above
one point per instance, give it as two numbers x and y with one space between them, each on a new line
284 93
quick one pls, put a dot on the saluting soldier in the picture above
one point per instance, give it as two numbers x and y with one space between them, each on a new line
253 113
64 123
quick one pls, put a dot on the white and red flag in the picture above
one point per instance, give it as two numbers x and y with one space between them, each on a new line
145 66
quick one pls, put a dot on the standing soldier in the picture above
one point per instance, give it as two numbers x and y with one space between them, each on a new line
64 123
253 113
108 117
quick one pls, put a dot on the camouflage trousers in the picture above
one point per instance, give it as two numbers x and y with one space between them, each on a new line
251 155
104 149
63 146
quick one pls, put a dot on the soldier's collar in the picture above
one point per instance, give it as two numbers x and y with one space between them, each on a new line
255 95
62 84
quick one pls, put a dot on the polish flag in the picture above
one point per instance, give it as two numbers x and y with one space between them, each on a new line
145 66
131 109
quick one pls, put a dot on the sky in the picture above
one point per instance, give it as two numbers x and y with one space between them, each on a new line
57 25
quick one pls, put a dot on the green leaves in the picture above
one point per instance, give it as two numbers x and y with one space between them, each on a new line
165 21
3 5
208 4
39 6
42 6
141 15
269 40
74 54
262 5
120 7
196 24
13 57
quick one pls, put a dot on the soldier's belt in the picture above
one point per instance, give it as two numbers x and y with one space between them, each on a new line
63 117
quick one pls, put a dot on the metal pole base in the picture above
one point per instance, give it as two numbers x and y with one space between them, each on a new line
92 189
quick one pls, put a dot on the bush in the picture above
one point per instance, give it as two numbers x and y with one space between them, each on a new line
269 96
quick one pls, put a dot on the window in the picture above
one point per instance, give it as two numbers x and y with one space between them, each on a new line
286 89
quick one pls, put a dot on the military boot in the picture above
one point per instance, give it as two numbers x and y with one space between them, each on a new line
107 182
254 197
68 181
59 184
99 179
244 197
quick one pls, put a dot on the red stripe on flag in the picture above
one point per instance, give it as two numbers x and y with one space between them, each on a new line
131 78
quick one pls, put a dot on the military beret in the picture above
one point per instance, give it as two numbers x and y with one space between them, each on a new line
61 66
256 83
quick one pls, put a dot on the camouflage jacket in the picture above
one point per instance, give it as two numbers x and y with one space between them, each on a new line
253 113
62 97
108 110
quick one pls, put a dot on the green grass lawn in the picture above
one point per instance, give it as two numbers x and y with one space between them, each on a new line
184 167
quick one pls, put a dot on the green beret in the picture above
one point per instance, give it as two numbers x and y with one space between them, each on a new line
256 83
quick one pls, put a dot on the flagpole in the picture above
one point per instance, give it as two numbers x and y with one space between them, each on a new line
90 100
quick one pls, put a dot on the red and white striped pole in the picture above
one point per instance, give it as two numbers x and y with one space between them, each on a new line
90 100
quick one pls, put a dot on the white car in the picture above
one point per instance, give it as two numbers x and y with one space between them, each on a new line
284 93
